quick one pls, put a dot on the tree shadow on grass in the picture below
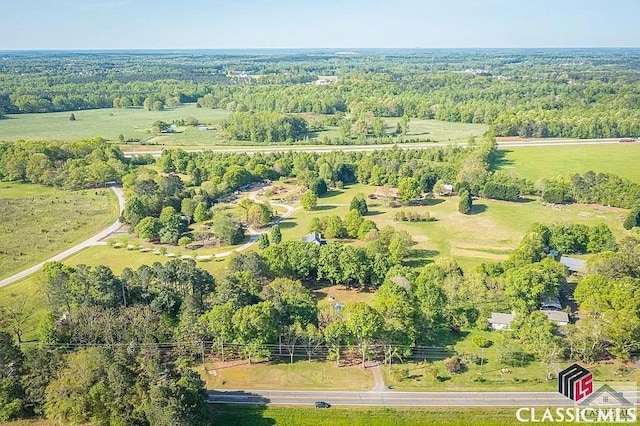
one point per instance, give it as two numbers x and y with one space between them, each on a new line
478 208
420 257
330 194
447 337
287 224
324 207
433 201
249 414
501 160
374 213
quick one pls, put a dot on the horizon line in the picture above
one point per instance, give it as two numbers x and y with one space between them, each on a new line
337 49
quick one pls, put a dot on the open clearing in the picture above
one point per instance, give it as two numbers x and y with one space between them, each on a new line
135 123
39 222
301 375
489 233
550 161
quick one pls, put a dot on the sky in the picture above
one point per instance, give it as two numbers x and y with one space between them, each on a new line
217 24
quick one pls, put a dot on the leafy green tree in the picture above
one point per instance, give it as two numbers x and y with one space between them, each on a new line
259 215
632 219
226 229
276 234
134 211
397 308
399 246
254 326
408 189
601 239
527 286
364 323
352 222
293 301
11 368
309 200
263 241
336 334
201 213
465 203
148 228
334 227
318 187
360 204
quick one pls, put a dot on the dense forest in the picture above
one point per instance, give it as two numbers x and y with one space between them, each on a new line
528 93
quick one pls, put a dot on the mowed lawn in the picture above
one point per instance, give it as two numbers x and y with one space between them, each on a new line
550 161
300 375
39 222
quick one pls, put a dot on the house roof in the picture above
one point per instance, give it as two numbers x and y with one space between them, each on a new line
314 237
500 318
556 316
573 264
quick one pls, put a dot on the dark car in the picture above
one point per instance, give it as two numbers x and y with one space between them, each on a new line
322 404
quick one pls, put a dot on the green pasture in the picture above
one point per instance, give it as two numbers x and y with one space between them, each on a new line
39 222
258 415
132 123
136 122
540 162
440 131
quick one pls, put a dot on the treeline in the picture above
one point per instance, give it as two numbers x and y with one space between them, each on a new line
590 187
264 127
528 95
73 165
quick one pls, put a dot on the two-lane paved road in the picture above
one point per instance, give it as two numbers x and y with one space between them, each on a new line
392 398
367 148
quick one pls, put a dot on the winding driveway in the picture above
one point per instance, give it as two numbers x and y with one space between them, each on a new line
254 234
75 249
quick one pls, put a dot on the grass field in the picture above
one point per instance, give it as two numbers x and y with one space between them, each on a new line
550 161
301 375
134 123
490 233
39 222
238 415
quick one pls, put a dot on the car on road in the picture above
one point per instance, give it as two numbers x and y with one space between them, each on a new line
322 404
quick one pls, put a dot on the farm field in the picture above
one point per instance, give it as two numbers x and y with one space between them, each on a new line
550 161
39 222
134 123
